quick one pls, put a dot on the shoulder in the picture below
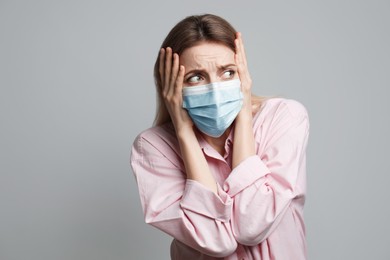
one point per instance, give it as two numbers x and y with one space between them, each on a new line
278 116
156 134
276 109
279 106
158 141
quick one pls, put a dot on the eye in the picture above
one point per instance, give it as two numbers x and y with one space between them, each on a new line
194 79
229 74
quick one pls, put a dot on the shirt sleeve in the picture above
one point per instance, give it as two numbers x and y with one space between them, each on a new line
264 185
184 209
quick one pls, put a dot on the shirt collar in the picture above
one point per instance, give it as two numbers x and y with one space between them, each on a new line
210 151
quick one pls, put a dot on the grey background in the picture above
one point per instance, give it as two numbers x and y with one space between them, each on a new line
76 88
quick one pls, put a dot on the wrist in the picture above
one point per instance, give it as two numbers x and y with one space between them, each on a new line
245 114
184 132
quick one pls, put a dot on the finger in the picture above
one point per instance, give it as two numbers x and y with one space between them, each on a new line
179 80
241 59
238 54
168 66
161 66
175 69
238 57
241 48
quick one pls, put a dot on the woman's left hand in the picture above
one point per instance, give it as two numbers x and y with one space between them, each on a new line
243 73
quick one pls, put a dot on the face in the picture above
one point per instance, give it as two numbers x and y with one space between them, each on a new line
208 63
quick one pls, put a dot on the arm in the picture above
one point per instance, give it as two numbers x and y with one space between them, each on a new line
244 142
264 185
172 79
182 208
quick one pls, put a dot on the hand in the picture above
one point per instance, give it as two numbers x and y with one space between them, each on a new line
172 76
243 73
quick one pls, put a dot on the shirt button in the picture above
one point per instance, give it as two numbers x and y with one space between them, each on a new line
225 187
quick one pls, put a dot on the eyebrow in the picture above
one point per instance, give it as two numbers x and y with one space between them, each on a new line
221 67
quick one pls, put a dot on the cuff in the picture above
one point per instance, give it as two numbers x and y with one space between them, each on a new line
245 174
199 199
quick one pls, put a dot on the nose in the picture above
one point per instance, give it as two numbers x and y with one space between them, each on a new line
213 79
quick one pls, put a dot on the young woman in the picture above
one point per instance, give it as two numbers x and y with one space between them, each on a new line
222 171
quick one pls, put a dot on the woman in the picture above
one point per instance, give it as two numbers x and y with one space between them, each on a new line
222 171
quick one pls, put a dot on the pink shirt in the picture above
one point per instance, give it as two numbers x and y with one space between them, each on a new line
258 211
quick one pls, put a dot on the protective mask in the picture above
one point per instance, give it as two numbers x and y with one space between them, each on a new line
213 107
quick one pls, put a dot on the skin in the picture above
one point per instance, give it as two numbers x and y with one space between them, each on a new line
203 64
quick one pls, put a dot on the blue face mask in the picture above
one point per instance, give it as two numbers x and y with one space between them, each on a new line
213 107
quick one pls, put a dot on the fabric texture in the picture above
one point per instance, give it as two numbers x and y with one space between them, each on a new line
258 211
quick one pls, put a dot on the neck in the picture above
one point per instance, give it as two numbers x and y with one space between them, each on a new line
218 143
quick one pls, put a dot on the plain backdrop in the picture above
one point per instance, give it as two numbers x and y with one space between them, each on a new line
76 88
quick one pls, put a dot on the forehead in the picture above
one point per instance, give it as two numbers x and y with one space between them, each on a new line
206 54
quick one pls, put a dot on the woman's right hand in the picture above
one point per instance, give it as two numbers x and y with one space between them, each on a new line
172 75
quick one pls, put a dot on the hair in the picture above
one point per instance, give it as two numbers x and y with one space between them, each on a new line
190 32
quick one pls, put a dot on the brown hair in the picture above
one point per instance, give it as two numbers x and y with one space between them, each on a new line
190 32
